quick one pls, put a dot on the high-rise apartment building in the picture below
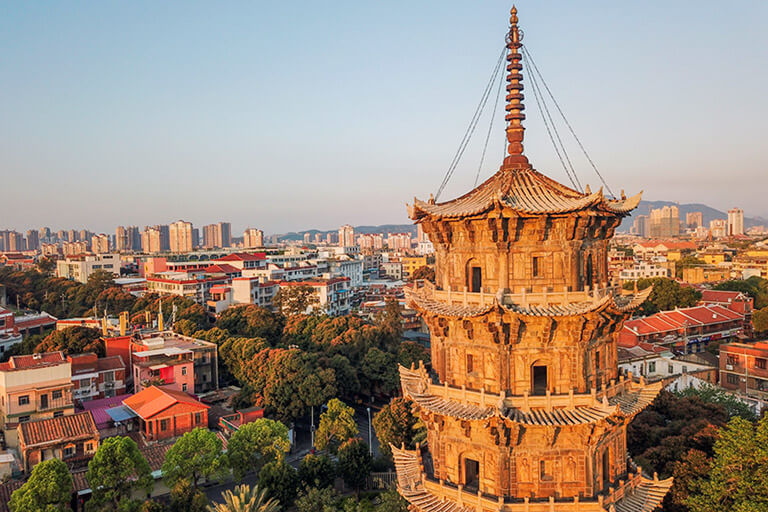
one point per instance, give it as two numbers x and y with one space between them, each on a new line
664 222
180 236
735 222
84 235
346 236
195 238
694 220
33 240
640 226
217 235
718 228
151 240
100 244
74 236
127 238
121 239
399 241
253 238
45 234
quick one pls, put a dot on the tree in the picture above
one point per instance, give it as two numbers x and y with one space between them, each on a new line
355 463
48 489
280 480
390 323
337 424
667 294
312 499
255 444
425 272
252 321
243 499
396 424
73 340
186 498
296 300
379 371
756 287
716 395
316 471
197 454
391 501
760 320
153 506
738 474
46 265
117 470
411 353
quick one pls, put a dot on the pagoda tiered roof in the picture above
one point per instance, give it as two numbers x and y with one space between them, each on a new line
636 494
527 192
470 305
626 398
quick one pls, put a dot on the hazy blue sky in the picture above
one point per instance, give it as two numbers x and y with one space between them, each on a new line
296 115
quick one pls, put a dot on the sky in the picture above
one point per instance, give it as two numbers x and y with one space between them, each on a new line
296 115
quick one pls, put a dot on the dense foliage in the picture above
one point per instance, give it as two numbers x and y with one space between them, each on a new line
667 294
49 489
196 455
755 287
117 470
396 424
255 444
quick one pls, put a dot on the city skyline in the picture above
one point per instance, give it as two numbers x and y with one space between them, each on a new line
121 101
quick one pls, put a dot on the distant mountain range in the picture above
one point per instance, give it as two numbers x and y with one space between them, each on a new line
644 208
383 229
709 213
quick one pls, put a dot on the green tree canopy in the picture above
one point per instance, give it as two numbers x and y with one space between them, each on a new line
337 425
396 424
379 372
196 455
296 300
391 501
117 470
667 294
316 471
756 287
73 340
256 443
252 321
424 273
185 497
49 489
280 481
313 499
355 463
738 474
760 320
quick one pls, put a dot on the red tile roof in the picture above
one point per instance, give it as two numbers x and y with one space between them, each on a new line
155 400
33 361
72 427
721 296
243 256
223 268
6 489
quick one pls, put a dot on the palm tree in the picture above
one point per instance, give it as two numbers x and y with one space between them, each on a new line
243 499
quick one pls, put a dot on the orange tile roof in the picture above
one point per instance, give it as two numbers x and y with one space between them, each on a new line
153 400
33 361
243 256
72 427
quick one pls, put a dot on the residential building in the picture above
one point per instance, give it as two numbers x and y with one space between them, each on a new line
332 294
664 222
96 377
100 244
166 413
351 268
399 241
127 238
640 226
180 236
254 290
705 274
80 268
244 260
694 220
74 248
33 240
193 285
371 242
737 302
169 345
411 264
718 228
217 235
735 222
744 368
253 238
656 248
346 236
73 439
686 330
391 269
166 366
655 362
34 387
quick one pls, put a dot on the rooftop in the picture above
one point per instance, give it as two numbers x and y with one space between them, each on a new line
154 400
72 427
28 362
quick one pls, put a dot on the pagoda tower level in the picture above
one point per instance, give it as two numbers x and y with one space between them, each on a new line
524 405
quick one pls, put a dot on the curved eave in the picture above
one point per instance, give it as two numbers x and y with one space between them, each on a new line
627 303
646 497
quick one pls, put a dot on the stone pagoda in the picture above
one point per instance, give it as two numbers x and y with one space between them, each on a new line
524 405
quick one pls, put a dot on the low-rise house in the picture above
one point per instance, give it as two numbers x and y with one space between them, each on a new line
94 377
33 387
192 285
701 274
73 439
254 290
170 367
332 294
81 266
744 368
655 362
108 422
165 413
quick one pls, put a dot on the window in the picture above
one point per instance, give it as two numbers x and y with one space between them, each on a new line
732 379
732 360
163 425
24 400
55 395
760 363
109 376
23 419
671 369
470 363
88 447
69 451
183 370
652 367
536 266
198 418
58 414
184 387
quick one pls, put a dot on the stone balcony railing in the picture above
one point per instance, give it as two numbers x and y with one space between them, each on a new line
518 297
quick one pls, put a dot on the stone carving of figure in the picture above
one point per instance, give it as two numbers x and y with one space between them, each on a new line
525 471
570 469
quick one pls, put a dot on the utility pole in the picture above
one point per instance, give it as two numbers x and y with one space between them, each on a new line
312 425
370 444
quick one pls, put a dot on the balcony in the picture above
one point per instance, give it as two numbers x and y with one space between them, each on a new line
49 404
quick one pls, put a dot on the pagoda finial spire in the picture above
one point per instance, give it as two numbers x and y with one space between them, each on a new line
515 105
